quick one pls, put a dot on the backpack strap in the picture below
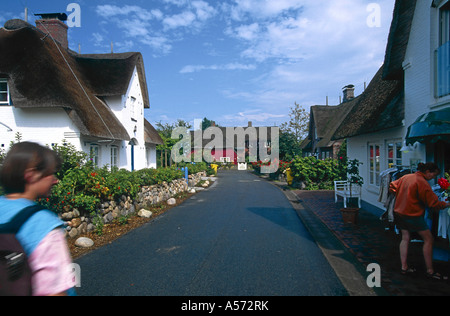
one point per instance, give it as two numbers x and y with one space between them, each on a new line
14 225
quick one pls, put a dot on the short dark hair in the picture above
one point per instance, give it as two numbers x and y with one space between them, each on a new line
430 166
23 156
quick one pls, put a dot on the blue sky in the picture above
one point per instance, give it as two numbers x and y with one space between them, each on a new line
233 61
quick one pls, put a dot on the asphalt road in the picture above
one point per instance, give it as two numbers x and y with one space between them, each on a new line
241 237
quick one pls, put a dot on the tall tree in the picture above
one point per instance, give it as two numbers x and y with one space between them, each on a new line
165 131
298 124
293 132
207 123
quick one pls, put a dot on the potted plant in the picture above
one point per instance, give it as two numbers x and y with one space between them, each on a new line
350 213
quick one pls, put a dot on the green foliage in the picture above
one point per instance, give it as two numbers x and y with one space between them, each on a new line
318 174
197 167
82 186
353 172
289 146
71 158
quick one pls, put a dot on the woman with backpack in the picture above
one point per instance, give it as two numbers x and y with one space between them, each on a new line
28 173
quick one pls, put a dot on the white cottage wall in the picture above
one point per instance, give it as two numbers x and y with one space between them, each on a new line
49 126
129 109
45 126
418 65
358 148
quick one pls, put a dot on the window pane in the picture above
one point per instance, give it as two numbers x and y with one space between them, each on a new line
391 156
114 157
3 97
378 166
371 164
3 86
399 153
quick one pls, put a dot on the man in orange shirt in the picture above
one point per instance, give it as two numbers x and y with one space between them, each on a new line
413 195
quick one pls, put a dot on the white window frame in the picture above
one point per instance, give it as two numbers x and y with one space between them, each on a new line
397 155
114 156
133 103
444 23
441 55
374 163
2 80
94 150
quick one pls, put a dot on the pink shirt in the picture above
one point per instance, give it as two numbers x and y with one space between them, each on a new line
51 265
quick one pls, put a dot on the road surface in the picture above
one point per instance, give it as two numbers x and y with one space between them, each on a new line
240 237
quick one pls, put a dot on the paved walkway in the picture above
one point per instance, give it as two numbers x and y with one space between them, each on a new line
369 242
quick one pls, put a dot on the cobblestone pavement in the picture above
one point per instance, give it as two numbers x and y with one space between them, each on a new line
371 243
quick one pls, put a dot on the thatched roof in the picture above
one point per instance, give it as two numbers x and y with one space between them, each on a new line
381 106
39 76
151 134
398 39
110 74
325 120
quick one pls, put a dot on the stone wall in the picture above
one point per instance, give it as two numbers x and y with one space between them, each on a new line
110 210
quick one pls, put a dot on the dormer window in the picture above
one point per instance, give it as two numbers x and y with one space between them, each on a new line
4 92
133 108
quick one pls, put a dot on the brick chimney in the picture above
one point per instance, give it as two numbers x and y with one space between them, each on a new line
53 24
349 92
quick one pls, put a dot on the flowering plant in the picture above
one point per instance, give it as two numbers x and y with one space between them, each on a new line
444 184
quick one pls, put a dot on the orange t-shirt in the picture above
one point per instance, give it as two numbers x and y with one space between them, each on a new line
414 194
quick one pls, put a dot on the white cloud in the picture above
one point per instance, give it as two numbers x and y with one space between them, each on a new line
299 50
184 19
230 66
176 2
255 116
97 39
196 13
153 27
313 47
136 23
261 9
245 32
108 11
203 10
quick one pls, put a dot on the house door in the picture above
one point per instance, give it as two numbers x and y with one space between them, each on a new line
132 157
133 143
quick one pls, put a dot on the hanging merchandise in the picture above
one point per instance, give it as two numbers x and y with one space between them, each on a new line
388 198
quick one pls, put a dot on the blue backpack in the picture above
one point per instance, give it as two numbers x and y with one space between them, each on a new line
15 273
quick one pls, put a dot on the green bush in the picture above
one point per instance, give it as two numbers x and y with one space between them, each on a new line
82 186
318 174
197 167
